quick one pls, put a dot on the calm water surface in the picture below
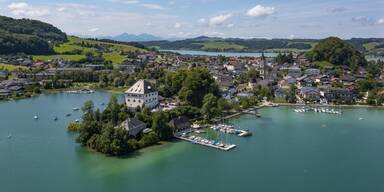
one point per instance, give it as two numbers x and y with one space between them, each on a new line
288 152
227 54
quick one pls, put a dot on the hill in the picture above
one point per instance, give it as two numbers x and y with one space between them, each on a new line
233 44
336 51
125 37
28 36
374 46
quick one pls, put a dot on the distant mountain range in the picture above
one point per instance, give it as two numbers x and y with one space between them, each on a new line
125 37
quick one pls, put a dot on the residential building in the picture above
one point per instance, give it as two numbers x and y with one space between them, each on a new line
134 126
310 94
180 124
141 94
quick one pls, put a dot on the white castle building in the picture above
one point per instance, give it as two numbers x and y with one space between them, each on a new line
141 94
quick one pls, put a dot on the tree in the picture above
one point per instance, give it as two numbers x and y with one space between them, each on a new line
209 109
160 125
87 109
291 97
253 73
112 111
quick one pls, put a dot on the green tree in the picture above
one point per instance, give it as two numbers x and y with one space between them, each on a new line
160 125
209 109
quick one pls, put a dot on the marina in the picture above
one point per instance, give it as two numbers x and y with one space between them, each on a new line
205 142
318 110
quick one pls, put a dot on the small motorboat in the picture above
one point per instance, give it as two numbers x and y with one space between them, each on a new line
68 115
56 118
36 117
75 109
77 120
9 136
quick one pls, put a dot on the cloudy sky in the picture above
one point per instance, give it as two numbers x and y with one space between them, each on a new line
224 18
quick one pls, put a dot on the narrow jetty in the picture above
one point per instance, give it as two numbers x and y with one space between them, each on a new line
205 142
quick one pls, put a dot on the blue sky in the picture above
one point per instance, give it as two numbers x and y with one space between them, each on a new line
224 18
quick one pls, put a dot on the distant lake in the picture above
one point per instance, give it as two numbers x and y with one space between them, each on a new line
288 152
227 54
374 58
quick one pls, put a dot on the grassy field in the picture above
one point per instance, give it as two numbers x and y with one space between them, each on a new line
370 46
221 46
48 57
73 45
12 67
115 57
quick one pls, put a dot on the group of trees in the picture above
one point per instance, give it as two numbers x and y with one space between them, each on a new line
28 36
284 58
337 52
189 85
100 130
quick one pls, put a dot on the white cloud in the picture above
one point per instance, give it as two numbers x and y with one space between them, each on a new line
94 29
260 11
380 21
62 9
152 6
214 34
177 25
219 20
24 10
230 25
202 20
126 1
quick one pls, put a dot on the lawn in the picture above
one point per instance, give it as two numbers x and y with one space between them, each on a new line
115 57
12 67
72 45
370 46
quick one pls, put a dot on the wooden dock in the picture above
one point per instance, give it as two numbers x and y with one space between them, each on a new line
226 147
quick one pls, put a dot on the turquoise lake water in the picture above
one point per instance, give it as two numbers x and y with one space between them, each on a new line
288 152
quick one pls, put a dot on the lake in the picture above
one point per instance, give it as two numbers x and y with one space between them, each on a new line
287 152
227 54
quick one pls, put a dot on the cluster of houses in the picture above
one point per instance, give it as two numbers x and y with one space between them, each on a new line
14 87
313 84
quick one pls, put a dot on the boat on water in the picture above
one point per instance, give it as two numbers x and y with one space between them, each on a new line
36 117
68 115
9 136
56 118
77 120
75 109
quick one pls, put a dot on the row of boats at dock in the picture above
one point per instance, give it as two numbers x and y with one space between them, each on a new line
205 142
214 143
318 110
80 92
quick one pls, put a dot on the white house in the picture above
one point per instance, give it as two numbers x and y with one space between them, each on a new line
141 94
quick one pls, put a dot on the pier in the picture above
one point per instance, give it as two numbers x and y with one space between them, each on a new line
205 142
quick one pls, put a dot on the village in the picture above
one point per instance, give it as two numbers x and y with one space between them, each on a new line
294 80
